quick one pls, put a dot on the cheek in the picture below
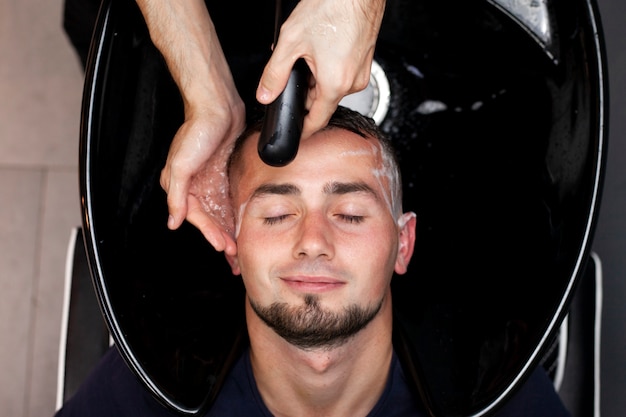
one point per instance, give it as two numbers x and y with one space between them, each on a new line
257 253
375 258
253 240
253 272
251 252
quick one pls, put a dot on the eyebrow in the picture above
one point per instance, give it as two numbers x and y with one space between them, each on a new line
280 189
333 187
348 187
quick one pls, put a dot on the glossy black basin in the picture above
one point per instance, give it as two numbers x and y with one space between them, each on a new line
499 113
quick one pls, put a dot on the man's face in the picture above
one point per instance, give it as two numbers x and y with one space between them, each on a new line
316 240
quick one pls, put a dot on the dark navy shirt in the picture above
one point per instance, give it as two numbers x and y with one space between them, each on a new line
112 390
396 400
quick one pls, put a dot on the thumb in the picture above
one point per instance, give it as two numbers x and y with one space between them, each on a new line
177 203
274 79
203 222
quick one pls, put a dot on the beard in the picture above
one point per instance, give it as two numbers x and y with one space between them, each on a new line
308 326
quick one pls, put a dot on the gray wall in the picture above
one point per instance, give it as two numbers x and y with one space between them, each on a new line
610 236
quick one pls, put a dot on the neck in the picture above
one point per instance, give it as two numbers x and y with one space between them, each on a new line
338 381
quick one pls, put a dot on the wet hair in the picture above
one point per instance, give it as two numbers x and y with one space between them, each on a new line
353 121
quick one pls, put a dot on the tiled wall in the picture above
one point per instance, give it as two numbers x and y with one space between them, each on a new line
40 94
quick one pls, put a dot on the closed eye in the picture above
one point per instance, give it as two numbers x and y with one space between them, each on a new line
351 218
275 220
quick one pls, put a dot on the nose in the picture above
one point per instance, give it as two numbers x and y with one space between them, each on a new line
315 237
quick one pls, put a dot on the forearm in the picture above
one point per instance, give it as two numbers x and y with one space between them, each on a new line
184 33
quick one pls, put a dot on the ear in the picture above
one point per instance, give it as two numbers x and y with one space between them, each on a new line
233 261
406 241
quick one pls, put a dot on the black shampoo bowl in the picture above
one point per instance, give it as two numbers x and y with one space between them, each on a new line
498 109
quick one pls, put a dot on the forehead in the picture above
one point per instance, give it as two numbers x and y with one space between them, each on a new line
333 154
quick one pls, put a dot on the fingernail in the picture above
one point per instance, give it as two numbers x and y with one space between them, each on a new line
170 221
264 94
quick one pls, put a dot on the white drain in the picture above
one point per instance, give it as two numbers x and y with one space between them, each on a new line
373 101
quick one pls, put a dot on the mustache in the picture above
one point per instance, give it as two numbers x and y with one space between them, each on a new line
314 267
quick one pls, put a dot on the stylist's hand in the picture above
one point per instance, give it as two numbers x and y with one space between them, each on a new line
194 175
337 39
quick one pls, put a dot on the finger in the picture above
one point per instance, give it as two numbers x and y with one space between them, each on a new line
275 75
177 202
203 222
230 246
318 116
164 180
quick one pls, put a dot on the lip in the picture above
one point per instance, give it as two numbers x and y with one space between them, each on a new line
312 284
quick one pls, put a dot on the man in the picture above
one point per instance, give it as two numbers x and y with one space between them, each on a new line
318 242
318 305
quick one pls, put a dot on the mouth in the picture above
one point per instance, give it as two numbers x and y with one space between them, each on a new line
312 284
